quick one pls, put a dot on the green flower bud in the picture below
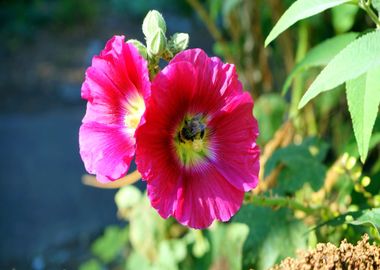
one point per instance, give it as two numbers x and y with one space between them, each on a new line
139 46
152 23
157 44
179 42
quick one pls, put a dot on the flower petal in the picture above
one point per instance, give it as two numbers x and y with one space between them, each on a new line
205 195
234 143
117 75
106 150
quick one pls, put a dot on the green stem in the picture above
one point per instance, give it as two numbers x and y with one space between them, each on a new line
280 202
366 5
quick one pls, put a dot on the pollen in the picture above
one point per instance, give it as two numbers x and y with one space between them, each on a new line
135 108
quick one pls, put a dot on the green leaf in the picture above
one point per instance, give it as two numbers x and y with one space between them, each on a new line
371 217
320 55
110 245
363 98
300 167
357 58
299 10
343 17
361 217
268 231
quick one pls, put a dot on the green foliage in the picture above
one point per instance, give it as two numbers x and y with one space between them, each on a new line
371 217
268 231
108 247
301 9
269 110
376 4
362 217
363 98
302 164
227 245
357 58
320 55
91 265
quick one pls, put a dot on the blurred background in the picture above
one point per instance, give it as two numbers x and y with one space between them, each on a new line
50 220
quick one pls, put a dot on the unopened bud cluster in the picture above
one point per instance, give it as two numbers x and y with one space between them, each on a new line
157 44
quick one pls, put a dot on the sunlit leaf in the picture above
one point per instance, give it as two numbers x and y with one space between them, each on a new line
273 235
320 55
357 58
363 97
299 10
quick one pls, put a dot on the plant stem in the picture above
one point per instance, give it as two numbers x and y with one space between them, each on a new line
280 202
366 5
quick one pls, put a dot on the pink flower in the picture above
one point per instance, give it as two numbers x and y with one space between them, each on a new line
196 145
116 87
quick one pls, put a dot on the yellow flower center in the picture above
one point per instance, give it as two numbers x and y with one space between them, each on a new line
135 108
190 140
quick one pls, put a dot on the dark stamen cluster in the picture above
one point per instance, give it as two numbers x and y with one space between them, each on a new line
193 129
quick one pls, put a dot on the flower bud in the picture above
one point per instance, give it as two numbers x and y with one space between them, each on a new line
179 42
157 44
139 46
153 22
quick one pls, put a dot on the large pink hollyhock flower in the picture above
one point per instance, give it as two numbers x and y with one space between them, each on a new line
116 87
196 145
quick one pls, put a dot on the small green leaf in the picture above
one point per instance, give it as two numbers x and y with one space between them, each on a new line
363 97
357 58
299 10
320 55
